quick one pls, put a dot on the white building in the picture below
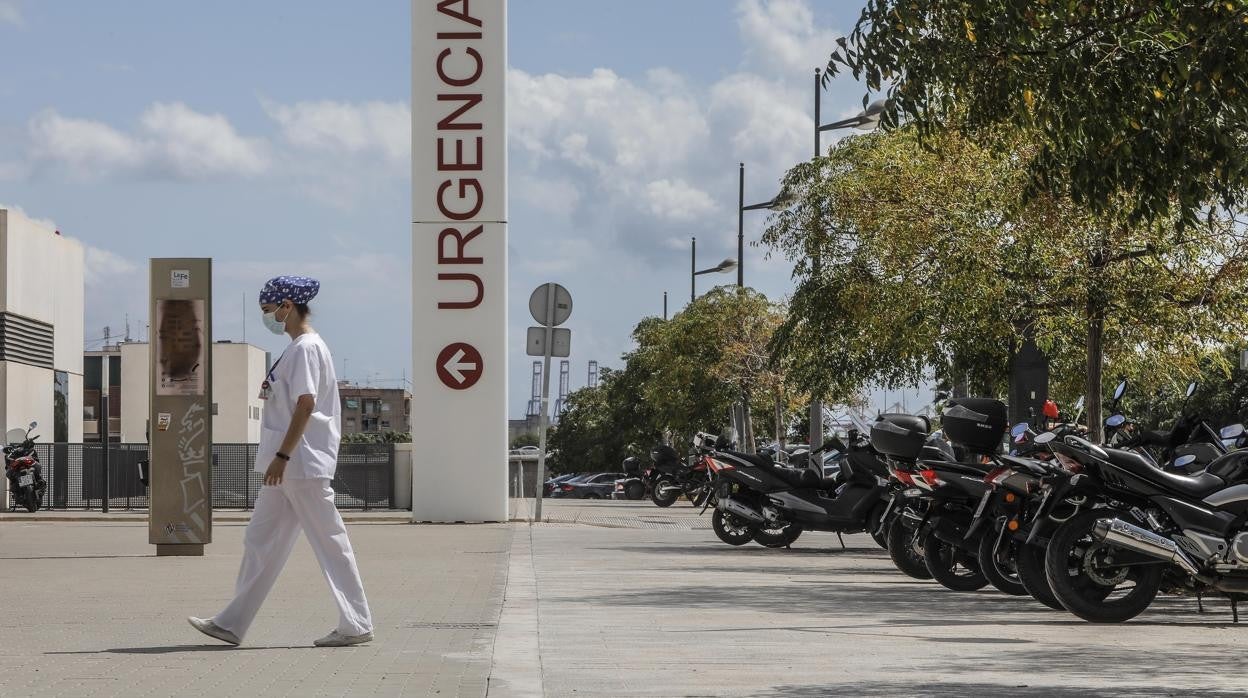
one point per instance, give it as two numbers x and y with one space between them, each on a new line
41 328
238 371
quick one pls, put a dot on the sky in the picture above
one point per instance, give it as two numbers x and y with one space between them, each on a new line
275 138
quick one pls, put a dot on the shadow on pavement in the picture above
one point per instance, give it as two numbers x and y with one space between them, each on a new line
834 600
176 649
940 690
77 557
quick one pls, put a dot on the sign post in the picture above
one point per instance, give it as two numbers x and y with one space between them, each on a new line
459 260
180 472
550 305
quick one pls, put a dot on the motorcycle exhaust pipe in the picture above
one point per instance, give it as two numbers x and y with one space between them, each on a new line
665 490
732 506
1143 541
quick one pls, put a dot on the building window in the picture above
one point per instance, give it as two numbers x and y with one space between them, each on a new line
385 424
60 407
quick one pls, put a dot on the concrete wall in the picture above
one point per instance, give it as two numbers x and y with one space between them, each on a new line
403 475
41 277
238 371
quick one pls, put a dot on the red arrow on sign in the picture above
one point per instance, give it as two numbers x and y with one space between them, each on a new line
460 366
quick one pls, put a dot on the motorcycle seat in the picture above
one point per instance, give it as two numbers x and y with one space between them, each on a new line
1196 486
1029 465
795 477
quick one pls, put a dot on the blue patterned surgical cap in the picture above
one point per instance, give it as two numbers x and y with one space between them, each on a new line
299 289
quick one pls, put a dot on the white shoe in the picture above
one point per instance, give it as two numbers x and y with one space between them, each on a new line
207 627
337 639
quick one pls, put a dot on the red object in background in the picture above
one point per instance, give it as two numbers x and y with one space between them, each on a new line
1050 409
566 488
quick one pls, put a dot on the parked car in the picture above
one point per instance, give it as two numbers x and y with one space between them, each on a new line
553 483
593 486
629 488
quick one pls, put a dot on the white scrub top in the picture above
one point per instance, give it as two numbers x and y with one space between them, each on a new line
305 368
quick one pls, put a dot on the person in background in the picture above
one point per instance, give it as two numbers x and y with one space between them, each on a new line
298 454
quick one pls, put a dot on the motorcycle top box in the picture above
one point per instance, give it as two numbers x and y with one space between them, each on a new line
900 435
975 423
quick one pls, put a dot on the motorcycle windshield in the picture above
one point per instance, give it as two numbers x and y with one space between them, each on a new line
15 436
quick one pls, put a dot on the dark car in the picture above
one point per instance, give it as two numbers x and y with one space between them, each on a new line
592 486
553 483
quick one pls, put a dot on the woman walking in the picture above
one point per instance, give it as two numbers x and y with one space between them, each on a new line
298 454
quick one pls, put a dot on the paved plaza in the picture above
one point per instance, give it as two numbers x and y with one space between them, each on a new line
629 600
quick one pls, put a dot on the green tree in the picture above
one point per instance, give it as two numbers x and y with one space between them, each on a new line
1142 100
931 259
527 439
603 425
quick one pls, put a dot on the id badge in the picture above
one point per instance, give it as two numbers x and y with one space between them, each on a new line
266 390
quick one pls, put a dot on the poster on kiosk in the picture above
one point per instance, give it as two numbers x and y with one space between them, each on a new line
180 426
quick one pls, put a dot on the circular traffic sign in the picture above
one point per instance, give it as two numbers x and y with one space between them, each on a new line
539 305
460 366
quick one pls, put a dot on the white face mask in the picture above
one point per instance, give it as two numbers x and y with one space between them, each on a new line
275 326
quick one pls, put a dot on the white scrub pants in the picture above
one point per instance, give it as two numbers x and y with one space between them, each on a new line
280 513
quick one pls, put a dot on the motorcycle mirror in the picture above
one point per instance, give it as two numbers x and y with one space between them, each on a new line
1019 429
1191 389
1232 431
1079 403
1118 392
33 425
1045 438
1115 420
1184 461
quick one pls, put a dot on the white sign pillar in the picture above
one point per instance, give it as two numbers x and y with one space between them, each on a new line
459 260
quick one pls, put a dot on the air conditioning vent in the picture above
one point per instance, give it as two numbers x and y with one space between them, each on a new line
25 341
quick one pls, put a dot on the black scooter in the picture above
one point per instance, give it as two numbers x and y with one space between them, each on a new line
755 499
23 470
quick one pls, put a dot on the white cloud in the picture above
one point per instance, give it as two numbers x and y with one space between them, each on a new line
11 12
173 140
781 36
677 201
103 266
194 145
87 147
340 127
41 222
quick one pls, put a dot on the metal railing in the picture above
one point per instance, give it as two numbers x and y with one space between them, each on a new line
75 475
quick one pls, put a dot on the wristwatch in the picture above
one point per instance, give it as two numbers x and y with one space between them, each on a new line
283 456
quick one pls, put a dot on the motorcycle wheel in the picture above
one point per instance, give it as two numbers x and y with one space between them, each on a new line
1085 578
31 499
781 537
904 554
660 500
1003 577
730 529
952 567
873 525
635 490
1030 562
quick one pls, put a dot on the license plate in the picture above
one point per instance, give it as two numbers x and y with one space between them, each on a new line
25 479
983 504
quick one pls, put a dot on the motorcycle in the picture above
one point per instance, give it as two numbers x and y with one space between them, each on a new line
760 500
23 470
669 478
1141 529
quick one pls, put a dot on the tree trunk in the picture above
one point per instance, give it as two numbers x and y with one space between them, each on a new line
1096 353
779 423
1095 315
748 422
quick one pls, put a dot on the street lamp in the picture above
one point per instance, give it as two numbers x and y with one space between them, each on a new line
724 266
865 120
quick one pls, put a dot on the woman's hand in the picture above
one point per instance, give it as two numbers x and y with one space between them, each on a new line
273 476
